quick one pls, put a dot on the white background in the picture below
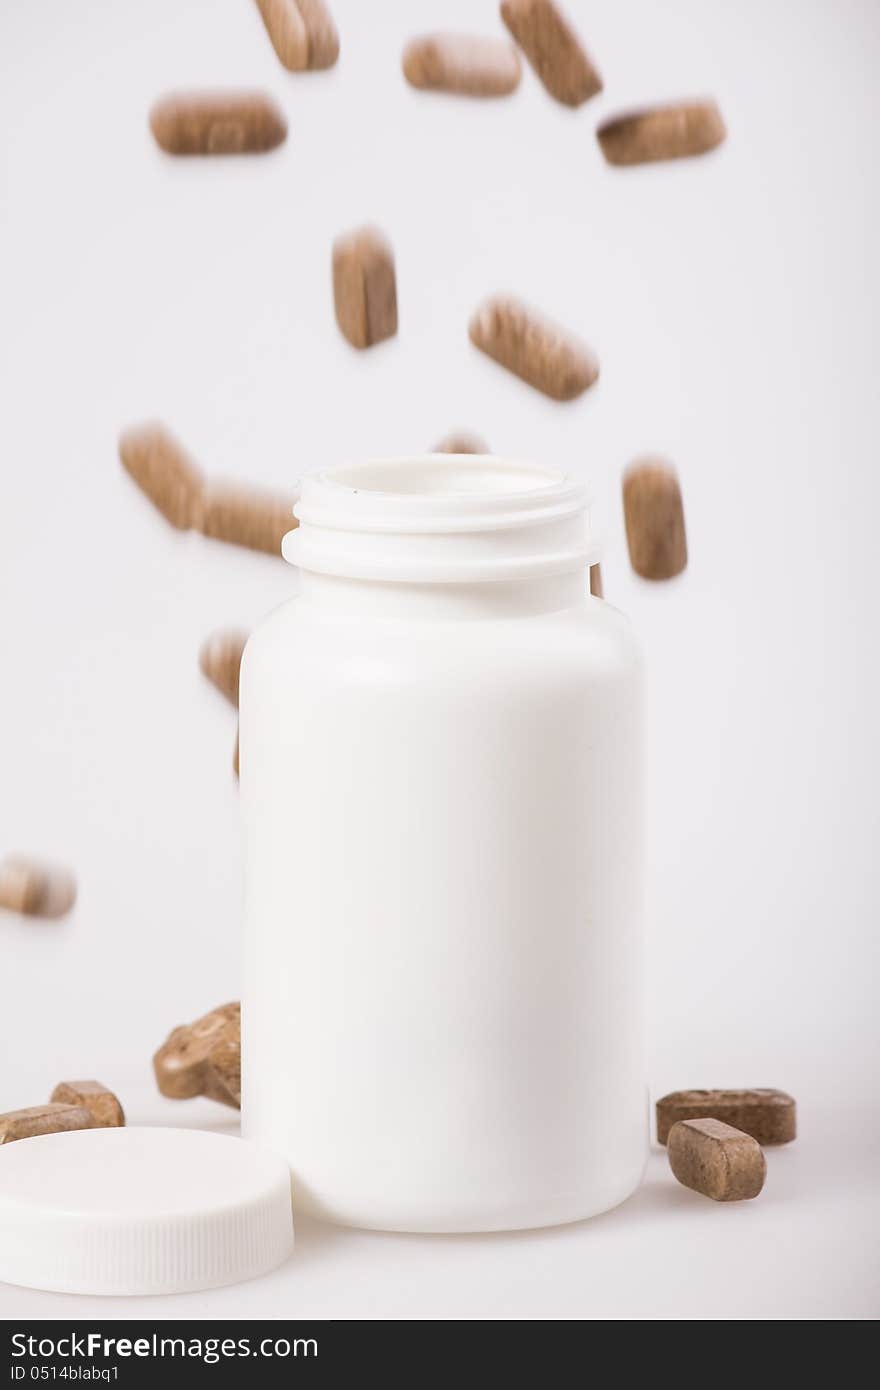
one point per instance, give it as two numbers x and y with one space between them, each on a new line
733 303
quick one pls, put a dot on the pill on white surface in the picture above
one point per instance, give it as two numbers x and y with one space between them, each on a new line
184 1064
717 1160
768 1115
43 1119
93 1096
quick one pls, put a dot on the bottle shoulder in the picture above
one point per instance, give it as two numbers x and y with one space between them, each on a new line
592 640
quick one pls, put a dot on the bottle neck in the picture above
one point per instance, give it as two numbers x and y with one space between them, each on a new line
376 599
455 533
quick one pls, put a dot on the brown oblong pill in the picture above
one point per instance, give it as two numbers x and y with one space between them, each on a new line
220 660
462 64
769 1116
323 38
716 1159
302 32
533 348
223 1071
101 1103
662 132
654 517
217 123
163 471
553 49
36 889
596 581
364 287
43 1119
246 516
287 30
181 1063
461 442
236 765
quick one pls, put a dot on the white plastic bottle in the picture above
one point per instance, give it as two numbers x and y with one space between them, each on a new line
441 785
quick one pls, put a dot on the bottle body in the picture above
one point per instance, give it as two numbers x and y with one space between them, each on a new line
442 1011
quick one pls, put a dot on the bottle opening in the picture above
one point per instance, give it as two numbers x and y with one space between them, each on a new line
439 518
441 475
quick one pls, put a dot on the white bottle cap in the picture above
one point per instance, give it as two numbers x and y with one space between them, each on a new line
140 1211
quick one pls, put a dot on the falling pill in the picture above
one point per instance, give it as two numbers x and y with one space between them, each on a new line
247 516
654 517
461 442
323 38
233 512
462 64
662 132
717 1160
220 661
553 49
287 30
35 888
202 123
596 581
302 32
538 351
364 287
163 471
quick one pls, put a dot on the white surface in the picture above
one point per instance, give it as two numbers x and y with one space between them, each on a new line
141 1210
733 304
442 791
804 1249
